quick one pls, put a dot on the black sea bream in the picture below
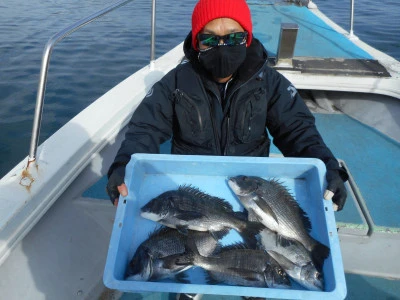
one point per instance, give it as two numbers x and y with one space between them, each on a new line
276 208
189 208
155 257
293 257
238 265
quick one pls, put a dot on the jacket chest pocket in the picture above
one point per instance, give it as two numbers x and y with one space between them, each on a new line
190 116
251 116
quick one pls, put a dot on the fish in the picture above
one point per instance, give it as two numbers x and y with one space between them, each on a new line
292 249
155 258
293 257
151 259
277 209
306 275
188 208
238 265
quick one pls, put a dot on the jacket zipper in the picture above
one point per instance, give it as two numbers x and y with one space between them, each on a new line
227 131
217 142
227 138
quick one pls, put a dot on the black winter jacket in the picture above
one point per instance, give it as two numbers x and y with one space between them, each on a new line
185 105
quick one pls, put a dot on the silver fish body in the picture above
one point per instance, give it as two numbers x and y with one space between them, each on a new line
276 208
306 275
294 258
238 265
155 257
148 261
189 208
291 249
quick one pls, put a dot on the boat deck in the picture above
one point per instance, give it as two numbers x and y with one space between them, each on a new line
331 53
369 157
326 42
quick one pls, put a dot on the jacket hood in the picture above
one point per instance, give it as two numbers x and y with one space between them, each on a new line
255 57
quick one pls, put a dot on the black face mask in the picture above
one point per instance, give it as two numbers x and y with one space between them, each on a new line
222 61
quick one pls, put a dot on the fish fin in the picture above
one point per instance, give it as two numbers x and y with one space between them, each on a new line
284 241
210 279
217 235
259 244
189 215
252 216
234 246
318 254
195 192
290 200
217 249
250 232
265 208
159 230
242 215
282 260
186 259
182 229
182 277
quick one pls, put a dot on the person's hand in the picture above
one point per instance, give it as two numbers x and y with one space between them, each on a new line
116 185
335 189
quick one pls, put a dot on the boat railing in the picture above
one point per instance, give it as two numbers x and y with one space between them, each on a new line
46 61
359 200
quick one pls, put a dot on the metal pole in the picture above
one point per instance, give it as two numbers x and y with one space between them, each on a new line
153 32
351 18
37 120
360 202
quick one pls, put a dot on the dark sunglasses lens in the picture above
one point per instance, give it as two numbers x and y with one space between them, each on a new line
209 40
235 38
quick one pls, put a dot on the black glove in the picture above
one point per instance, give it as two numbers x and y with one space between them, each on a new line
336 186
115 179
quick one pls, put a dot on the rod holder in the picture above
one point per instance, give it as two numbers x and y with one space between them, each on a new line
286 44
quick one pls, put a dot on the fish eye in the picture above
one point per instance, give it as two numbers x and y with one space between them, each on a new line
318 276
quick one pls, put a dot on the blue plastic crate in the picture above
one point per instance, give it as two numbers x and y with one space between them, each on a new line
149 175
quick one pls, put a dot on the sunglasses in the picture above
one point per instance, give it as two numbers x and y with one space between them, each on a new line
231 39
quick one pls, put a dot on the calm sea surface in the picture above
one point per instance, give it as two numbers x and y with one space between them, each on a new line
91 61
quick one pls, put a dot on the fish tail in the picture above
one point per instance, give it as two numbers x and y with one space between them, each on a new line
318 254
249 233
182 277
187 259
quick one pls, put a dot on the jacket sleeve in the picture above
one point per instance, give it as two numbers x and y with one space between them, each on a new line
292 125
150 124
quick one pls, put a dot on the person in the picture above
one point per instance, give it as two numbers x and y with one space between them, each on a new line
222 100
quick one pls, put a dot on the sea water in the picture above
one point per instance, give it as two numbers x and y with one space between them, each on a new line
91 61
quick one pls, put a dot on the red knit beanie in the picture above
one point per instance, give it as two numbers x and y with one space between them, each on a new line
208 10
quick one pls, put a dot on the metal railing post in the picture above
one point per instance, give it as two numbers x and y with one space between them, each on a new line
153 29
359 200
45 66
351 34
